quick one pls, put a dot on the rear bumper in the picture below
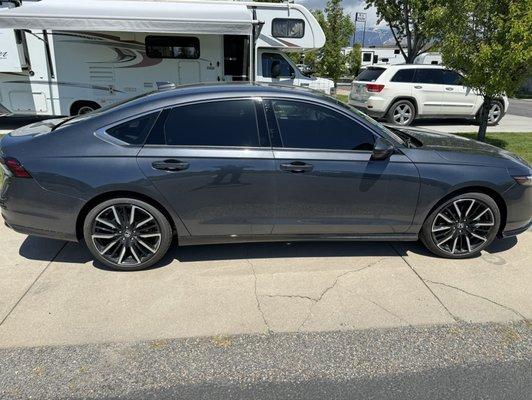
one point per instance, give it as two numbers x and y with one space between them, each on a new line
29 209
374 106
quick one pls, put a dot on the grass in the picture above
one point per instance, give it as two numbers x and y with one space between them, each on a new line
342 97
518 143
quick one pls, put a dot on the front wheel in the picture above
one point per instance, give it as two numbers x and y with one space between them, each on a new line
127 234
462 227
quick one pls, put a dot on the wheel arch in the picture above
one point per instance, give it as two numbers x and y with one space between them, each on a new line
399 98
117 194
76 105
476 189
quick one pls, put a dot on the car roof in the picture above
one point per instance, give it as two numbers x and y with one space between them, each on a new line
213 91
407 66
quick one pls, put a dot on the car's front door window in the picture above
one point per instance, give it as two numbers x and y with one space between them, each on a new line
310 126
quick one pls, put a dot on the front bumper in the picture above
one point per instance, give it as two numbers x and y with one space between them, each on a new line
518 210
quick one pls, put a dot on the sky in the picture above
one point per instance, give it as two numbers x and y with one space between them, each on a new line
350 7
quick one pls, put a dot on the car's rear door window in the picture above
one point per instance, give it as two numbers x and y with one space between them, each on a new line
305 125
369 74
428 75
404 75
216 123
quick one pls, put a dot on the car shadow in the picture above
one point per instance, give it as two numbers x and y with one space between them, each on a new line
77 253
427 122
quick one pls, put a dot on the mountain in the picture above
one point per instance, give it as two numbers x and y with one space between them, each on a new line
375 36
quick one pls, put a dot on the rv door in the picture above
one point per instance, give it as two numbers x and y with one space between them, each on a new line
12 53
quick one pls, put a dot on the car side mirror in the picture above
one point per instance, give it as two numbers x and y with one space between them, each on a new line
276 69
292 73
382 149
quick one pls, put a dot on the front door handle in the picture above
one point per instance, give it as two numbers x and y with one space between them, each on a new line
170 165
449 88
297 167
418 87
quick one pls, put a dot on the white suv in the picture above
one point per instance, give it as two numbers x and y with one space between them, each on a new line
402 93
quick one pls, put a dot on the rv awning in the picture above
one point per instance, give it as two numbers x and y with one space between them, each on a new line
130 16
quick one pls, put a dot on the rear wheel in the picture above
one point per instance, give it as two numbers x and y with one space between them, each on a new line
401 112
127 234
462 226
495 113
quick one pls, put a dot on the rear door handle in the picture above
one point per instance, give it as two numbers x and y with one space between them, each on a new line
297 167
170 165
418 87
449 88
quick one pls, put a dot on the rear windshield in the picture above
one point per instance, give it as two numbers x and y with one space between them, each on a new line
369 74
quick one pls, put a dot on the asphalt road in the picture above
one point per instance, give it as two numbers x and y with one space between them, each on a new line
467 361
521 107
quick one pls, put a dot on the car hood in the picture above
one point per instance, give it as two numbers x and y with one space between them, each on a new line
458 149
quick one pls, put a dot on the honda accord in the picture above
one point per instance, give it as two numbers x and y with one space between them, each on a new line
246 162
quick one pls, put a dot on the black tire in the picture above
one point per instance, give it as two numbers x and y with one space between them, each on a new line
83 107
133 230
472 246
405 108
500 113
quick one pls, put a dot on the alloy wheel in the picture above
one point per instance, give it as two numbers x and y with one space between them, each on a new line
494 113
402 114
126 235
463 226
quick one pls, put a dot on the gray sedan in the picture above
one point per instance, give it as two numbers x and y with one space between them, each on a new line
240 163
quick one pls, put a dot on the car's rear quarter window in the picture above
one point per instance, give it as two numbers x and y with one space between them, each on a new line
404 75
134 131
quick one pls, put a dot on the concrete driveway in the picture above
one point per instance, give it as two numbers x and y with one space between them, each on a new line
51 293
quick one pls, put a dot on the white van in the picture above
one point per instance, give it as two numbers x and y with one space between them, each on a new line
64 58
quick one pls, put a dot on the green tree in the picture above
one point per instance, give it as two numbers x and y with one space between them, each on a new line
338 28
353 60
490 42
409 22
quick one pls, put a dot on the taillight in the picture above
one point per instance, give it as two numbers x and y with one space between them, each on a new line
15 168
374 87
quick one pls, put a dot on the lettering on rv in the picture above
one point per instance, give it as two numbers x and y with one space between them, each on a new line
3 55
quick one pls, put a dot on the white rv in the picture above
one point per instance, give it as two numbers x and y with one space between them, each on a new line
64 57
381 56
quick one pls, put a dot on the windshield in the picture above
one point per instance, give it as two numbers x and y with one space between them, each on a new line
370 121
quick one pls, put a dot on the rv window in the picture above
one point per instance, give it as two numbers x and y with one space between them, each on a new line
288 28
134 131
218 123
186 47
268 59
366 57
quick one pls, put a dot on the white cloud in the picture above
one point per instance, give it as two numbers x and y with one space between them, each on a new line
350 7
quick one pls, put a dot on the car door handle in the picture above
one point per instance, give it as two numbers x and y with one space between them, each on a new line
170 165
418 87
449 88
297 167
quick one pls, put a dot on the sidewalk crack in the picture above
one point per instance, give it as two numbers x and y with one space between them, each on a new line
329 288
33 283
259 306
454 317
480 297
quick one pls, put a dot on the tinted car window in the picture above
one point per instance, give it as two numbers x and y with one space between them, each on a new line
428 75
134 131
404 75
369 74
308 126
451 78
267 61
219 123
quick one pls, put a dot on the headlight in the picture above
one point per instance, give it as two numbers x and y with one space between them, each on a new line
524 180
